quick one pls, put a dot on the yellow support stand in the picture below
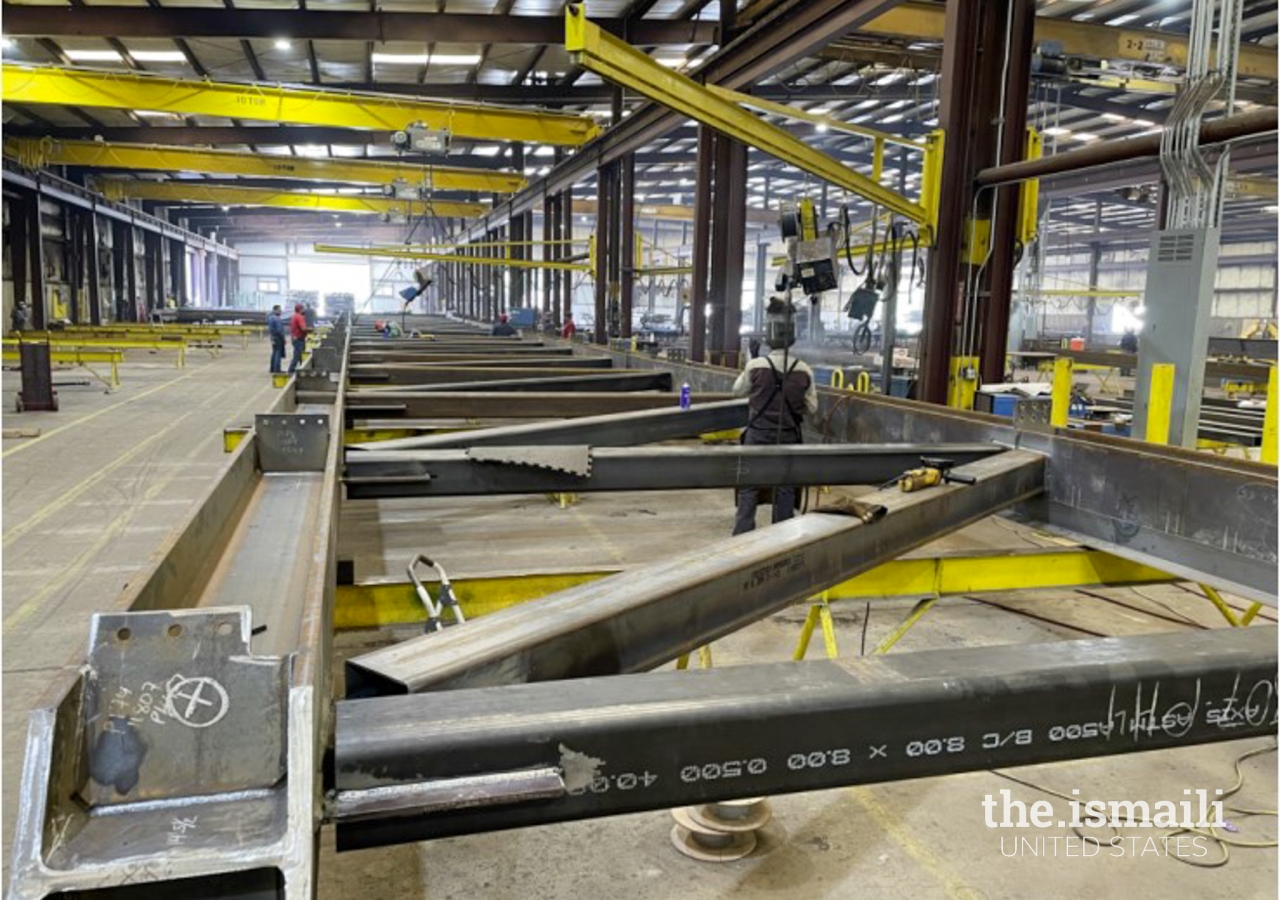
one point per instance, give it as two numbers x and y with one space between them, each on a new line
1269 423
1227 612
231 437
837 379
704 658
963 382
1160 403
916 614
279 379
819 613
563 500
1061 408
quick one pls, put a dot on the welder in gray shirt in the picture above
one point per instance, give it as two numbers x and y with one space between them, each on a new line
782 392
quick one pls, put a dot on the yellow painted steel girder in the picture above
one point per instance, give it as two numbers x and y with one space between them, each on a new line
927 21
802 115
194 192
386 603
118 90
616 61
401 253
35 153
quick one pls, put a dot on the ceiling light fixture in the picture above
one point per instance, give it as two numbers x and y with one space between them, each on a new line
93 56
283 44
158 56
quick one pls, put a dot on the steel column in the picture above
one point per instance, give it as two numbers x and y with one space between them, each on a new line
731 204
719 250
945 281
997 282
95 268
701 245
626 254
565 233
604 208
19 252
35 247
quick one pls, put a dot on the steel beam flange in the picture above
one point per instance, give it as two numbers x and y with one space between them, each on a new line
568 460
292 443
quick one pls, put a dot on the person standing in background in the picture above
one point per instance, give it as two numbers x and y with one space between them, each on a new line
569 329
275 330
297 331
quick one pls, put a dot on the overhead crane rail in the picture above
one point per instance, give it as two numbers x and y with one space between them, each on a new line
194 192
301 106
38 153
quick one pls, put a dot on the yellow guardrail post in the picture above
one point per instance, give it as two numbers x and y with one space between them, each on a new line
862 384
1061 407
837 379
1160 403
1269 423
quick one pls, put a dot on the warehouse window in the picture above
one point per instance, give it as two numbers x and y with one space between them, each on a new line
269 285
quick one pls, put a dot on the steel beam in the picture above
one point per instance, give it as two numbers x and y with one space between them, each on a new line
670 739
498 378
118 90
786 34
193 192
157 157
363 404
376 25
629 624
449 473
409 358
616 430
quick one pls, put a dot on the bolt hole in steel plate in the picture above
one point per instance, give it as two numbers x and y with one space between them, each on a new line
175 707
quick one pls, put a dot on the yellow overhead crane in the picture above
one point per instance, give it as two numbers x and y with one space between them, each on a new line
39 152
195 192
722 109
302 106
418 255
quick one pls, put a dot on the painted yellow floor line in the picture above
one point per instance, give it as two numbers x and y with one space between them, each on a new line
955 887
73 493
106 409
34 603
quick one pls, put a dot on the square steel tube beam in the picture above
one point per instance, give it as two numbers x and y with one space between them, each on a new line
620 430
599 382
449 378
636 621
405 373
413 358
460 355
449 473
630 743
364 404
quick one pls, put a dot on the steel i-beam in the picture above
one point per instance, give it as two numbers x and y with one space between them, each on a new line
638 620
529 470
606 746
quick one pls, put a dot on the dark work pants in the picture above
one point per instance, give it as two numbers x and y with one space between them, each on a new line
784 498
299 347
784 507
277 354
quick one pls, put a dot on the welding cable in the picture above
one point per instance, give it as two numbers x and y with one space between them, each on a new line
1213 832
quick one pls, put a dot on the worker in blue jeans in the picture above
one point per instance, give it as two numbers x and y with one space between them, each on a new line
297 331
275 330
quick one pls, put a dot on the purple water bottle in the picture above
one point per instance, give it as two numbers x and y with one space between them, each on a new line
686 396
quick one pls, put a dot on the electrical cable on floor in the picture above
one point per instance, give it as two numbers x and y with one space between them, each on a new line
1223 841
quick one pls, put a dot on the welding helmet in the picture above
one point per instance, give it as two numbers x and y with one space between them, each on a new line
779 323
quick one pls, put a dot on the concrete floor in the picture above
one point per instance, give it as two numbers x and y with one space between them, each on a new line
922 839
88 502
